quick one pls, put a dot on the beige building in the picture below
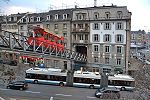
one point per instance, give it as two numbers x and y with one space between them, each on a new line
101 33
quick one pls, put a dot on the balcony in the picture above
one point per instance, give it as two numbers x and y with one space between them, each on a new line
80 41
80 30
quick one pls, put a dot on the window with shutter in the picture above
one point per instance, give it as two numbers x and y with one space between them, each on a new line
119 49
119 38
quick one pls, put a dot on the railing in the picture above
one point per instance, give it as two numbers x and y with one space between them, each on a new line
80 30
15 42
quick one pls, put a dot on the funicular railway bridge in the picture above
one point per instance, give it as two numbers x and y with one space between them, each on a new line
17 43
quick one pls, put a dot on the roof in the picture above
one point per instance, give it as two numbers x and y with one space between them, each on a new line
138 32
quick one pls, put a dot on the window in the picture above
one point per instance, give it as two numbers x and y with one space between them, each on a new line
65 45
31 19
80 26
119 38
38 19
107 38
38 25
65 16
107 15
56 26
21 27
96 15
27 19
107 49
22 33
119 26
74 37
95 59
118 62
107 26
96 48
65 34
48 17
84 16
15 18
64 26
9 19
96 26
47 26
56 16
119 14
81 37
56 63
119 49
106 60
96 38
21 21
80 16
86 37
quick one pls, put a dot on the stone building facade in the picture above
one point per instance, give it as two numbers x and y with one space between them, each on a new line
102 33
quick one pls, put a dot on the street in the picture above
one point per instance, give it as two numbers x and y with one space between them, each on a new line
45 92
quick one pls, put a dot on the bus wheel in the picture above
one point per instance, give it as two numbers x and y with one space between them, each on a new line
123 88
91 86
61 84
35 81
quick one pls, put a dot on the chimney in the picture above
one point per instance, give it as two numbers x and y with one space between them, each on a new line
95 3
76 6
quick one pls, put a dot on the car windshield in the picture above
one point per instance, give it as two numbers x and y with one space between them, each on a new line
101 89
18 82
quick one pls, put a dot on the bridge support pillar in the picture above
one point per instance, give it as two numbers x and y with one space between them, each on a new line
70 74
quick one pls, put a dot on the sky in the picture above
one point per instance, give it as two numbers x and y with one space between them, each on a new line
140 8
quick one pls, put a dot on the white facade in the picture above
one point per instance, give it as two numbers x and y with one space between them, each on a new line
101 32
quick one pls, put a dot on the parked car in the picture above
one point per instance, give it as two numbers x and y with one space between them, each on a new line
19 85
108 93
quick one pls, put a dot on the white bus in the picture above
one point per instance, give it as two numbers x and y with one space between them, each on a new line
84 79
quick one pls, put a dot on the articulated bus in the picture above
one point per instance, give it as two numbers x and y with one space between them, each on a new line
81 79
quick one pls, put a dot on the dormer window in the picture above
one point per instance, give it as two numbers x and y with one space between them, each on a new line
9 19
21 20
81 16
31 19
65 16
38 19
56 16
119 14
48 17
27 19
107 15
96 15
15 18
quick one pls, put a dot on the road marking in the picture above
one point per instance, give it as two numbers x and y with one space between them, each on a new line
13 99
2 98
32 92
91 97
17 99
64 95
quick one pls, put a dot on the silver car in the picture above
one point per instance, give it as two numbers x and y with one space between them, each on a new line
108 93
